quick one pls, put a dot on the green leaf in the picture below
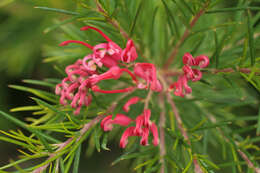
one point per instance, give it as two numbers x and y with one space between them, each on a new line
26 108
42 94
251 37
60 113
38 82
58 10
104 142
25 126
97 138
233 9
168 11
135 18
76 161
258 123
49 29
217 49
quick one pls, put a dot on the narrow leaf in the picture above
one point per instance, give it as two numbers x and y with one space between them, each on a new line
58 10
251 37
258 123
76 161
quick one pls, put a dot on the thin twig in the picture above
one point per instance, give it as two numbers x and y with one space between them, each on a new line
175 72
148 98
180 125
184 36
248 161
162 134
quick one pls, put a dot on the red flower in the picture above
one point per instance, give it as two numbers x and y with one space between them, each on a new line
192 74
129 53
147 71
202 61
181 87
72 87
124 139
120 119
142 128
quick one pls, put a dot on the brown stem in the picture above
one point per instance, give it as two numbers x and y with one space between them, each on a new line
183 38
162 135
249 163
175 72
148 98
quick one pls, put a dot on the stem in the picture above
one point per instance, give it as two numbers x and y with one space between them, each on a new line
184 36
174 72
162 134
148 98
197 168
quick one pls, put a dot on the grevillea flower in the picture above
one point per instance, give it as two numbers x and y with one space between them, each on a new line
129 54
202 60
120 119
142 129
107 53
131 101
70 87
192 74
181 86
124 139
147 71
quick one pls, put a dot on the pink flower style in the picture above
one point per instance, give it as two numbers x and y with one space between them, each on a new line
142 128
181 87
147 71
131 101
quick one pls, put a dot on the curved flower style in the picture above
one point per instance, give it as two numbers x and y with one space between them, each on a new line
147 71
131 101
120 119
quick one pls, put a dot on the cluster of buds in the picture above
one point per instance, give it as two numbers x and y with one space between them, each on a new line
181 87
142 128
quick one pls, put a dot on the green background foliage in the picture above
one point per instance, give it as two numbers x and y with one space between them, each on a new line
222 117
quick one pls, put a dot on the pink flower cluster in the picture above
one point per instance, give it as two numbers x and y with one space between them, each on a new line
83 74
181 87
142 128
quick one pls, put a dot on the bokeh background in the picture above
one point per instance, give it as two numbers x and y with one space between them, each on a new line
22 44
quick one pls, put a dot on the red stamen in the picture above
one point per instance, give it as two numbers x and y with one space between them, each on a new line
96 29
95 88
65 43
131 74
